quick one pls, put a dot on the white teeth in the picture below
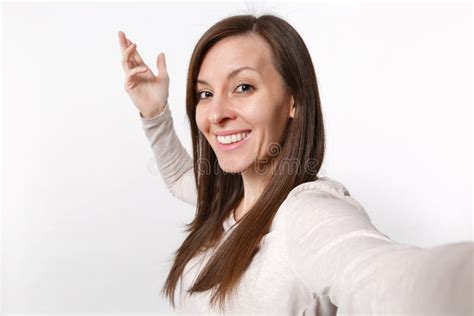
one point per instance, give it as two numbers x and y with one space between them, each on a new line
229 139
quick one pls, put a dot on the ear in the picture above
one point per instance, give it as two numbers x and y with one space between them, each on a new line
292 105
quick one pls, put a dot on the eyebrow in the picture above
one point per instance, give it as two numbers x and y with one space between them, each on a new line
231 74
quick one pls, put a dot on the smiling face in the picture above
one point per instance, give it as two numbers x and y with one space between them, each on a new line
241 93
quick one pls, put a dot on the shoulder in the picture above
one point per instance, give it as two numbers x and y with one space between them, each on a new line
321 185
322 199
322 212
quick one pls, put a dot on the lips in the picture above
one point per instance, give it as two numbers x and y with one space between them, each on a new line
234 138
230 132
232 146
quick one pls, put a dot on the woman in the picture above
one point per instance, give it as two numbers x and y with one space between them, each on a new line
269 235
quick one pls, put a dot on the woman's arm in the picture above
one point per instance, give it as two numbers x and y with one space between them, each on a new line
149 94
174 163
335 250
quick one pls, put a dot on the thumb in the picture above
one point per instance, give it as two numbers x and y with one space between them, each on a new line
161 64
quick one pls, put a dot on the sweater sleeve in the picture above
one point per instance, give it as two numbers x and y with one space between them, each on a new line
173 161
335 250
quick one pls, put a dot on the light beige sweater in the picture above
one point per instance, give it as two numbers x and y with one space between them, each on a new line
323 255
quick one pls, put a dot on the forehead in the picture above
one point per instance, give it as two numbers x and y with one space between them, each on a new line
234 52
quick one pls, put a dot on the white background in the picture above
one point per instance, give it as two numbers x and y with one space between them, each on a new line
87 223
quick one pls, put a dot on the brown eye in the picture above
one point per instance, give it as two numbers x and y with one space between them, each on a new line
247 87
199 94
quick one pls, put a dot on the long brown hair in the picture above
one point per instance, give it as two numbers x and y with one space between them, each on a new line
219 192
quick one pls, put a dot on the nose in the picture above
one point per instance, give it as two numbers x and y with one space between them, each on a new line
220 111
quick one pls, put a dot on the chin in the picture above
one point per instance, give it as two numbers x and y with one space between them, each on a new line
232 166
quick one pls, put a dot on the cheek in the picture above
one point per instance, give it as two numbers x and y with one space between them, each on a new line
271 122
263 116
200 120
257 115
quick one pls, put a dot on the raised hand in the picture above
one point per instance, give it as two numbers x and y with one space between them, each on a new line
148 92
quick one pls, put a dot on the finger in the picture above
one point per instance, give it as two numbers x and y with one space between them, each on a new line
124 44
122 41
136 56
161 65
132 54
129 82
136 71
126 62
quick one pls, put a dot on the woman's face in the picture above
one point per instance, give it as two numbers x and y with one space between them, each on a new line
249 105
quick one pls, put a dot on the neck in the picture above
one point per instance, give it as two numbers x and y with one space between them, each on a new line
254 182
